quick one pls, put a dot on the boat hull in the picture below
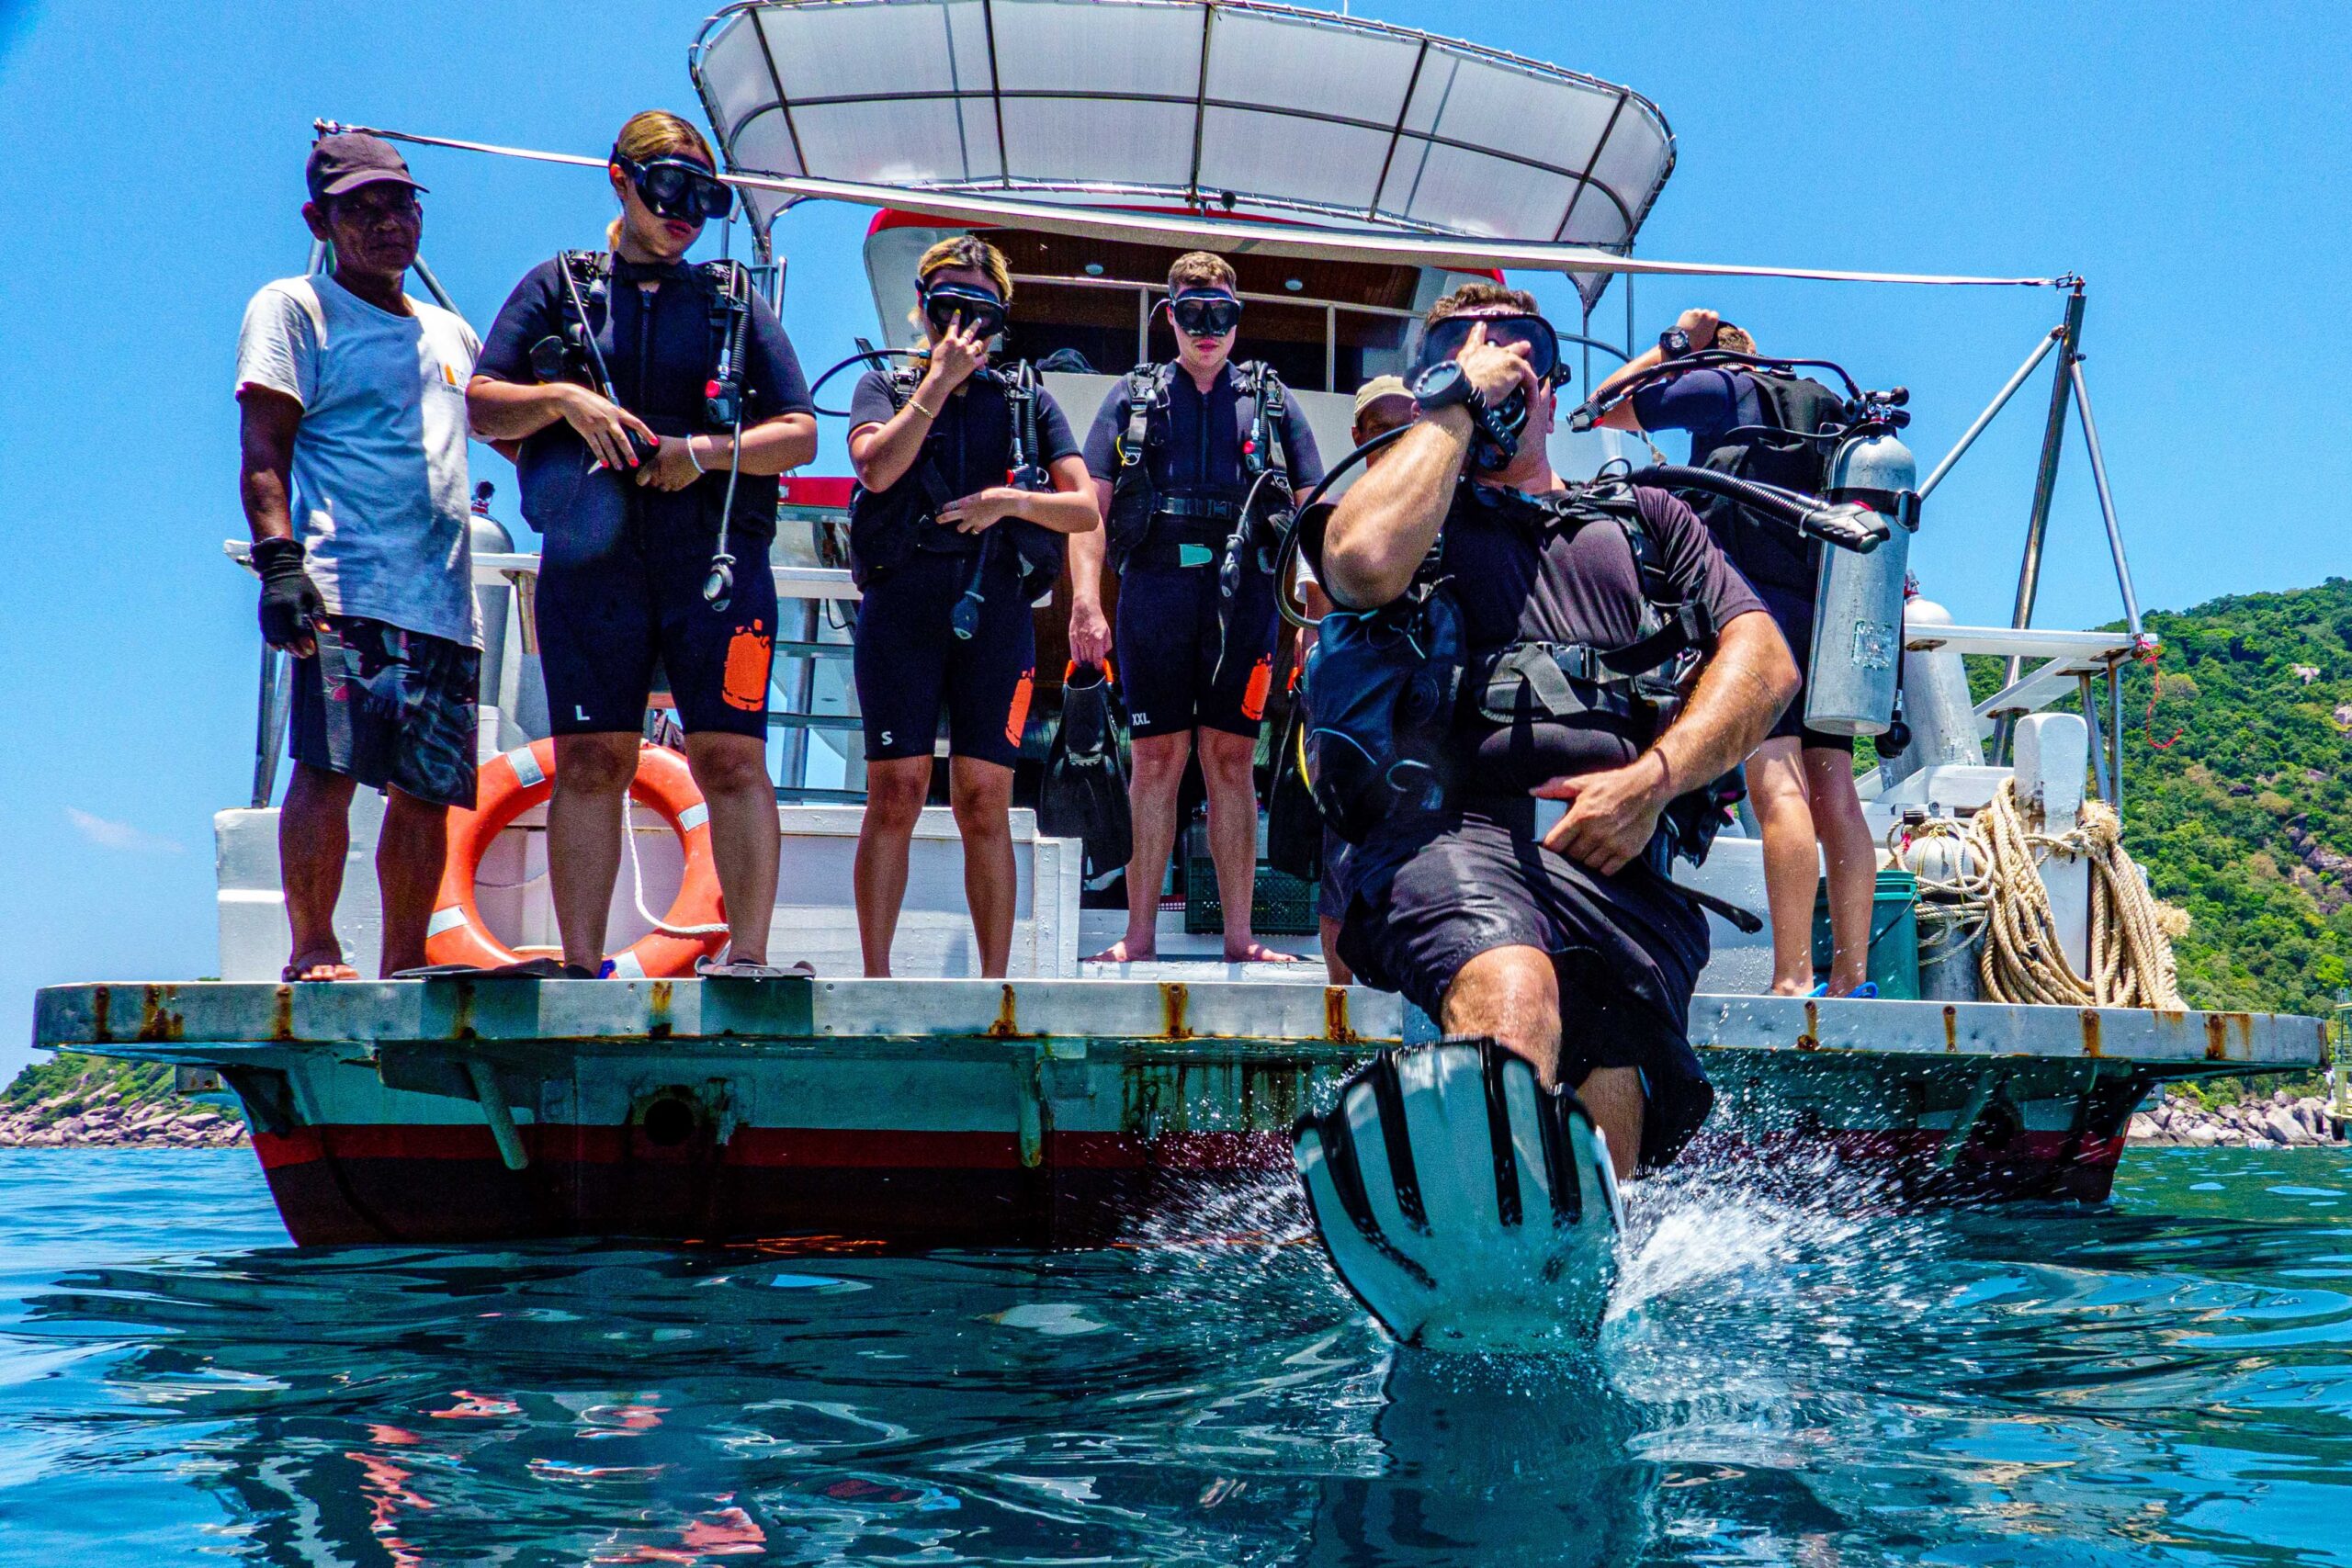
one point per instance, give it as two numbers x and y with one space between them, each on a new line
793 1189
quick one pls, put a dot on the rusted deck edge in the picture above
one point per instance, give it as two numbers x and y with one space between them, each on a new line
1200 1020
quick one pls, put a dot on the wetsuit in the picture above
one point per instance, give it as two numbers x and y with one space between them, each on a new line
1166 644
622 568
909 663
1429 892
1783 569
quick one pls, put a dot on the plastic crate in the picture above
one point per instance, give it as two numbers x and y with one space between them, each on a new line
1282 905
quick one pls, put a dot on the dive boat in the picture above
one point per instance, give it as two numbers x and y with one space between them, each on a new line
1352 172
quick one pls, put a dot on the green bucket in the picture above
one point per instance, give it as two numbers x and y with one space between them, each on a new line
1895 935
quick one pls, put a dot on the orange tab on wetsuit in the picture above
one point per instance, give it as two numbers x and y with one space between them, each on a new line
749 652
1016 720
1261 681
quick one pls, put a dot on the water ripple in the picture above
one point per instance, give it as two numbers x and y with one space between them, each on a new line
1829 1380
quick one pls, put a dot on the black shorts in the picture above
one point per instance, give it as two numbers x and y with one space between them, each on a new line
609 607
1167 645
1796 621
1428 895
910 664
388 708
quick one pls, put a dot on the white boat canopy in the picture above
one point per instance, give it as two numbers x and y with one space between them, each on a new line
1223 107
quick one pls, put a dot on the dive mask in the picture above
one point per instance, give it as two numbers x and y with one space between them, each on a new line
678 187
1444 341
979 310
1206 315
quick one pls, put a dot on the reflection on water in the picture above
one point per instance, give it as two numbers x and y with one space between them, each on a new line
2168 1379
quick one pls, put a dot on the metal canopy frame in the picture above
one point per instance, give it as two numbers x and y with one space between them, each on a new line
2021 692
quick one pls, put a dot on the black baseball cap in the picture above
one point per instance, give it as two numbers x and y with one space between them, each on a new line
349 158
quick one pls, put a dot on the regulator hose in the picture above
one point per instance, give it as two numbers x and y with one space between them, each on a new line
863 357
1848 524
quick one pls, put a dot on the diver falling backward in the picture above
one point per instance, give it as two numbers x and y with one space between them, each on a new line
949 558
1194 464
1568 958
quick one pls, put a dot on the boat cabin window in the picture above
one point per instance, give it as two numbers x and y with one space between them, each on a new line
1324 326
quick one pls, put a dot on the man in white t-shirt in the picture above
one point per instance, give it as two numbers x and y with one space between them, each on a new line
354 480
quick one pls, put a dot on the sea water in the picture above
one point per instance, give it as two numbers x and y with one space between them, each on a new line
1814 1380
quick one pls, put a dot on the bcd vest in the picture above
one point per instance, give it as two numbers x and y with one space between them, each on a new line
1142 514
887 526
552 468
1399 697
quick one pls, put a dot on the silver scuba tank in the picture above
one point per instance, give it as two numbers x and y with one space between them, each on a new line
1858 599
1936 703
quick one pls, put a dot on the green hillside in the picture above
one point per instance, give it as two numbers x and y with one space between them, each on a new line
2246 820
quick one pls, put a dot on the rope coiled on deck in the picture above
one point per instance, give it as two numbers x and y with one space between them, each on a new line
2130 952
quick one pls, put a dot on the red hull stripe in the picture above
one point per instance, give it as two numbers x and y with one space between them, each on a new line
816 1148
811 1148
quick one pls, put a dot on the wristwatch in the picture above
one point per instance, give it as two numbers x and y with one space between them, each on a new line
1443 385
1673 344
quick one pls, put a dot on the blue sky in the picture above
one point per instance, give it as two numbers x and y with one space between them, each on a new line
2187 159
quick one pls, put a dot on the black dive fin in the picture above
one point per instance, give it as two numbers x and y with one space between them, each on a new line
1084 792
1465 1206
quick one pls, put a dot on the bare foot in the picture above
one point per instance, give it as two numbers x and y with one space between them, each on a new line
1124 950
1259 952
1791 988
311 966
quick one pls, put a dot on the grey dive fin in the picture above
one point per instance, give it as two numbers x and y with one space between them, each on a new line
1464 1205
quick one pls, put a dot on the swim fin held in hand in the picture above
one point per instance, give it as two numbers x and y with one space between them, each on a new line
1084 792
1465 1206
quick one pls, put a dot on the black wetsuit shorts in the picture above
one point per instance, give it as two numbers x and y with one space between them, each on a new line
612 600
1428 894
910 664
1167 645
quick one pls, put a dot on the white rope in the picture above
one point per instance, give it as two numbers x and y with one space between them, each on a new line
637 881
2130 950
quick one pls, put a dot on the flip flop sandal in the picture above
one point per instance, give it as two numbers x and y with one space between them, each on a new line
303 974
735 969
526 969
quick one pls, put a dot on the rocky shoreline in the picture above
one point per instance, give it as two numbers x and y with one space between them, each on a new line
2281 1121
111 1119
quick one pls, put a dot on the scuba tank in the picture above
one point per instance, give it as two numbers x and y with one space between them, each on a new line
1857 603
1937 704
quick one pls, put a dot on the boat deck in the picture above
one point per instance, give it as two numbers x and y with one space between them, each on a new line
1218 1019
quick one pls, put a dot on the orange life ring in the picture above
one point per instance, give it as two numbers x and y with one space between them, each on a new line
511 785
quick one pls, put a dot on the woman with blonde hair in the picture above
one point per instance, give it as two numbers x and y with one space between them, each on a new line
949 558
656 402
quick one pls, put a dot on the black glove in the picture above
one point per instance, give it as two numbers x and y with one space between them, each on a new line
290 602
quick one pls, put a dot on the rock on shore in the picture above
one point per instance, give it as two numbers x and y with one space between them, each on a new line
2279 1122
110 1120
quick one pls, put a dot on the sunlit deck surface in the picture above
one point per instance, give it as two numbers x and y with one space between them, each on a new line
1219 1018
